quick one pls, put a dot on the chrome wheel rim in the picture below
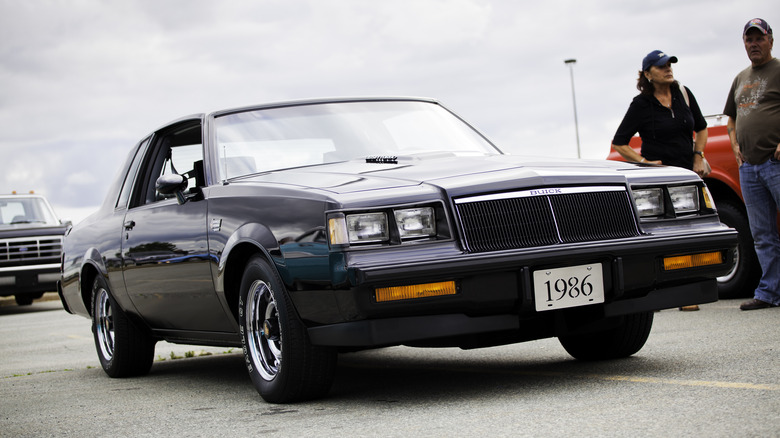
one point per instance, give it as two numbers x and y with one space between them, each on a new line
104 324
730 275
264 335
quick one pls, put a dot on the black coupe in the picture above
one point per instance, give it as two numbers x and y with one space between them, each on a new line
299 230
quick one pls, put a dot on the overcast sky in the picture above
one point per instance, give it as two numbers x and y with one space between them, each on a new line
81 81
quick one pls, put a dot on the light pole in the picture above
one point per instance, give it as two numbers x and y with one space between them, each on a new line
570 63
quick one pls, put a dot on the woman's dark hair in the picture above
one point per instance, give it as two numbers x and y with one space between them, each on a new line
647 88
643 85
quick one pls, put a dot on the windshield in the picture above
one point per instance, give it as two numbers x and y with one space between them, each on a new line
278 138
17 210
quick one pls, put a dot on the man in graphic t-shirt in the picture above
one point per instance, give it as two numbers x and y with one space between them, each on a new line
753 108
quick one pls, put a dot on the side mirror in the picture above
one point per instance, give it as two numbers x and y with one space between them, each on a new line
172 184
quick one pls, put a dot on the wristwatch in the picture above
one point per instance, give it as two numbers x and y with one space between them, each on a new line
699 153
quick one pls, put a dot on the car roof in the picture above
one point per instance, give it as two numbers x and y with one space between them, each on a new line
302 102
21 195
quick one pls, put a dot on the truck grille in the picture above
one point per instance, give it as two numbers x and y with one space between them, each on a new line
543 217
30 251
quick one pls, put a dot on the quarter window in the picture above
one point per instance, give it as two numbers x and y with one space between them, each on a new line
127 186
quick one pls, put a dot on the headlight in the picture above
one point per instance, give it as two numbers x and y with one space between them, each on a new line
367 227
415 222
392 226
649 202
685 199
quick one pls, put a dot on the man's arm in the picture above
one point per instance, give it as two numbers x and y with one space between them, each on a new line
731 127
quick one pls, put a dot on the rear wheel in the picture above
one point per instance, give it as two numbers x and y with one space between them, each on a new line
622 341
123 349
282 363
742 279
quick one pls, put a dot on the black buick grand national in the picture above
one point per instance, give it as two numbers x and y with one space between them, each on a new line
299 230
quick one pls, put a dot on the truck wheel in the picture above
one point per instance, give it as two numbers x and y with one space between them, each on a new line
122 348
622 341
27 299
282 363
743 278
23 300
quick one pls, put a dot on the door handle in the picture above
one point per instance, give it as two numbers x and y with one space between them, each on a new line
129 225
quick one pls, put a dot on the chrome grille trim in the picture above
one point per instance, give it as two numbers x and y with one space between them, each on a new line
545 216
30 250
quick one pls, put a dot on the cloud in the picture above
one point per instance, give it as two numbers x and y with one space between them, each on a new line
84 80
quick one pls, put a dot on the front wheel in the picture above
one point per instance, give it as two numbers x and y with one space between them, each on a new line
26 299
123 349
622 341
282 363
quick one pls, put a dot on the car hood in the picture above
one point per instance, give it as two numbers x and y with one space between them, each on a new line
459 173
24 230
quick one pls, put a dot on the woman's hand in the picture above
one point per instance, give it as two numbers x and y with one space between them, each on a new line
699 167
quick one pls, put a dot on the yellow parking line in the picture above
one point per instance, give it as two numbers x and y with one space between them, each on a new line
705 383
655 380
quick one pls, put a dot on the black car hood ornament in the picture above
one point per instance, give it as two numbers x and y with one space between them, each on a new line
382 159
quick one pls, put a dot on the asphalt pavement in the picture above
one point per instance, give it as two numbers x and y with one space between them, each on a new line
712 373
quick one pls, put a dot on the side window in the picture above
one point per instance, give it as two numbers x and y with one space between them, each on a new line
177 150
127 186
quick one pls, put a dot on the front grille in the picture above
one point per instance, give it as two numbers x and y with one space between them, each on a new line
543 217
30 251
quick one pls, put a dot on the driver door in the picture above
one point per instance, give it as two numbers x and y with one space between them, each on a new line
165 259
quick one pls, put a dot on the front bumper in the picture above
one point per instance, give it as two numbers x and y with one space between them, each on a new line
495 290
31 279
464 331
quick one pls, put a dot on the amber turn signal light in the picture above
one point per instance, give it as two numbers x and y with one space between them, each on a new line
692 260
415 291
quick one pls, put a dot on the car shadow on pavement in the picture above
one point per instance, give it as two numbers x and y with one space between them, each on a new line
377 379
408 376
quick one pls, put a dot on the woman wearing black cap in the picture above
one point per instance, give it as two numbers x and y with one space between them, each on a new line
666 115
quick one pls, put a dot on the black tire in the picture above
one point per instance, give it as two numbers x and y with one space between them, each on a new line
622 341
23 300
744 276
282 363
123 349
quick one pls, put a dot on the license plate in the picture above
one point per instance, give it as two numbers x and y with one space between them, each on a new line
572 286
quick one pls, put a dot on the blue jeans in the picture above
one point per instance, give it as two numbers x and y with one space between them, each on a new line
761 191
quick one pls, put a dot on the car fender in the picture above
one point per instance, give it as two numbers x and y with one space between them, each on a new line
246 240
92 264
92 257
76 282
